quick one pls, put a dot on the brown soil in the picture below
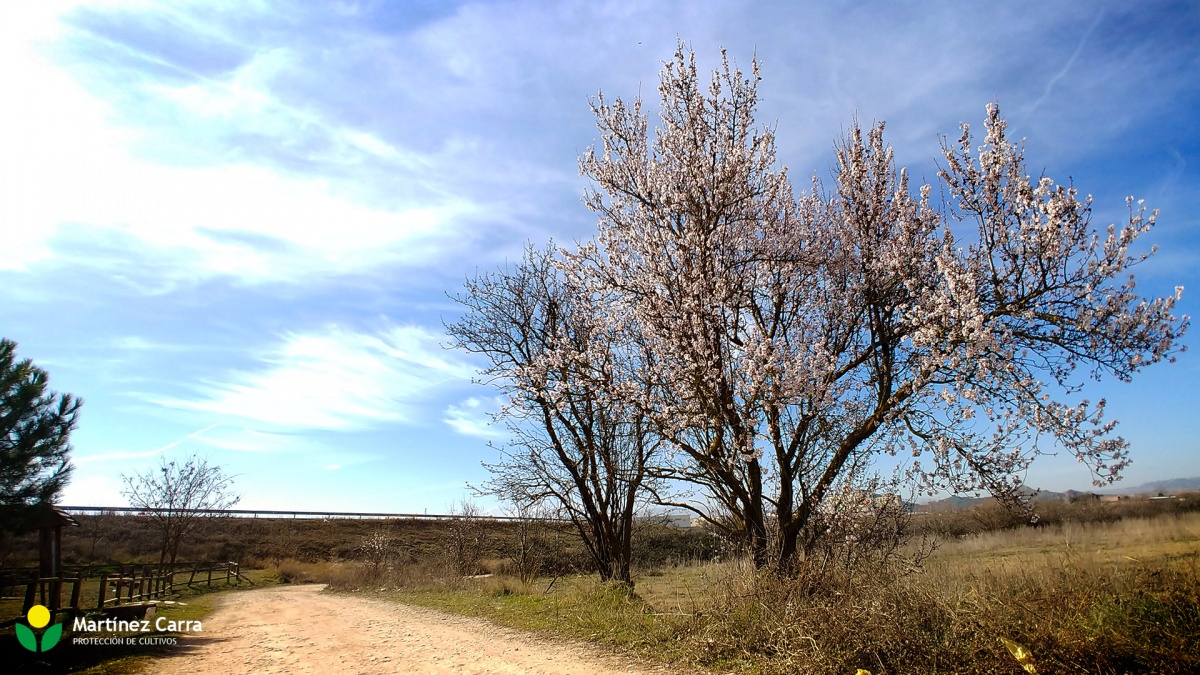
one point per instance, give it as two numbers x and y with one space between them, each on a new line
298 629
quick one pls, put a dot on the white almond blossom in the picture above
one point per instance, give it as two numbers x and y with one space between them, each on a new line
794 335
776 342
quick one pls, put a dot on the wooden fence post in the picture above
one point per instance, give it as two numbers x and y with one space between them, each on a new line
129 584
30 590
55 595
103 591
75 594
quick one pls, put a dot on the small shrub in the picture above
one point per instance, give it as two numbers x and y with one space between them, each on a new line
465 543
377 551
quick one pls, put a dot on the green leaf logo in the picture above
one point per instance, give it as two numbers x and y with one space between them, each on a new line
51 636
29 640
26 637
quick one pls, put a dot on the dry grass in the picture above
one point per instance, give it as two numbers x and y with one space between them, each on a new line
266 542
1099 590
1118 597
1135 538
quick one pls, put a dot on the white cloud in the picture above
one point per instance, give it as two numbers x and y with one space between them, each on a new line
473 417
71 180
238 438
137 343
336 380
92 491
284 155
243 222
124 455
118 456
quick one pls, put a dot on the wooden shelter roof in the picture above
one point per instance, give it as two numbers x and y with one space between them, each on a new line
49 515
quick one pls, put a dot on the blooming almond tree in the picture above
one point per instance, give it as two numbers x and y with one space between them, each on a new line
577 447
791 340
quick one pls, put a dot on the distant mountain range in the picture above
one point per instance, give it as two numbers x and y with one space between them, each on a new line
1175 484
1153 487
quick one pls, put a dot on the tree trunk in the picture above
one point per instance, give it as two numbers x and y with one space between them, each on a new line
756 524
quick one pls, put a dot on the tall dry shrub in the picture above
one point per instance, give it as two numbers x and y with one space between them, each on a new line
531 544
465 542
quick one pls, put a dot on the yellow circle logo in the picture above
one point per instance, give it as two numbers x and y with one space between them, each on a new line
38 616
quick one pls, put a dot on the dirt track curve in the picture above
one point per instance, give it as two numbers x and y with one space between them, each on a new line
298 629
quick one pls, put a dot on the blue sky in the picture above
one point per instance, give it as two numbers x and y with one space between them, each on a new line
231 227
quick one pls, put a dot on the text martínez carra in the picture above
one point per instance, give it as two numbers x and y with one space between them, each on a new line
161 625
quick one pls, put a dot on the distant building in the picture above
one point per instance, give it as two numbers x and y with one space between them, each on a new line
864 502
680 520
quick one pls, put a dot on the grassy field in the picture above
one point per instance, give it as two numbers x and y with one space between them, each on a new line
262 542
1103 588
1109 597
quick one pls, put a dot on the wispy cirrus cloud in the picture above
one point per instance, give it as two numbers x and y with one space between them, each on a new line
127 455
198 142
473 417
76 196
114 164
241 438
336 380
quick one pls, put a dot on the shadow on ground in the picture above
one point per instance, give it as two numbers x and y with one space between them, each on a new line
67 657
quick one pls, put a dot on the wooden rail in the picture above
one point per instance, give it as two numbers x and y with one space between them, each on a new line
141 584
255 513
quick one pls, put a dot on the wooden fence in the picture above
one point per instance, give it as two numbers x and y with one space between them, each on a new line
131 587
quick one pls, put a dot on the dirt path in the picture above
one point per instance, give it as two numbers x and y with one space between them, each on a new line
297 629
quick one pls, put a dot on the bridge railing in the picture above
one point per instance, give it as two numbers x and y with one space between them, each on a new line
268 513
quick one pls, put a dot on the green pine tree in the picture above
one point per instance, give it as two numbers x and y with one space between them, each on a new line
35 426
